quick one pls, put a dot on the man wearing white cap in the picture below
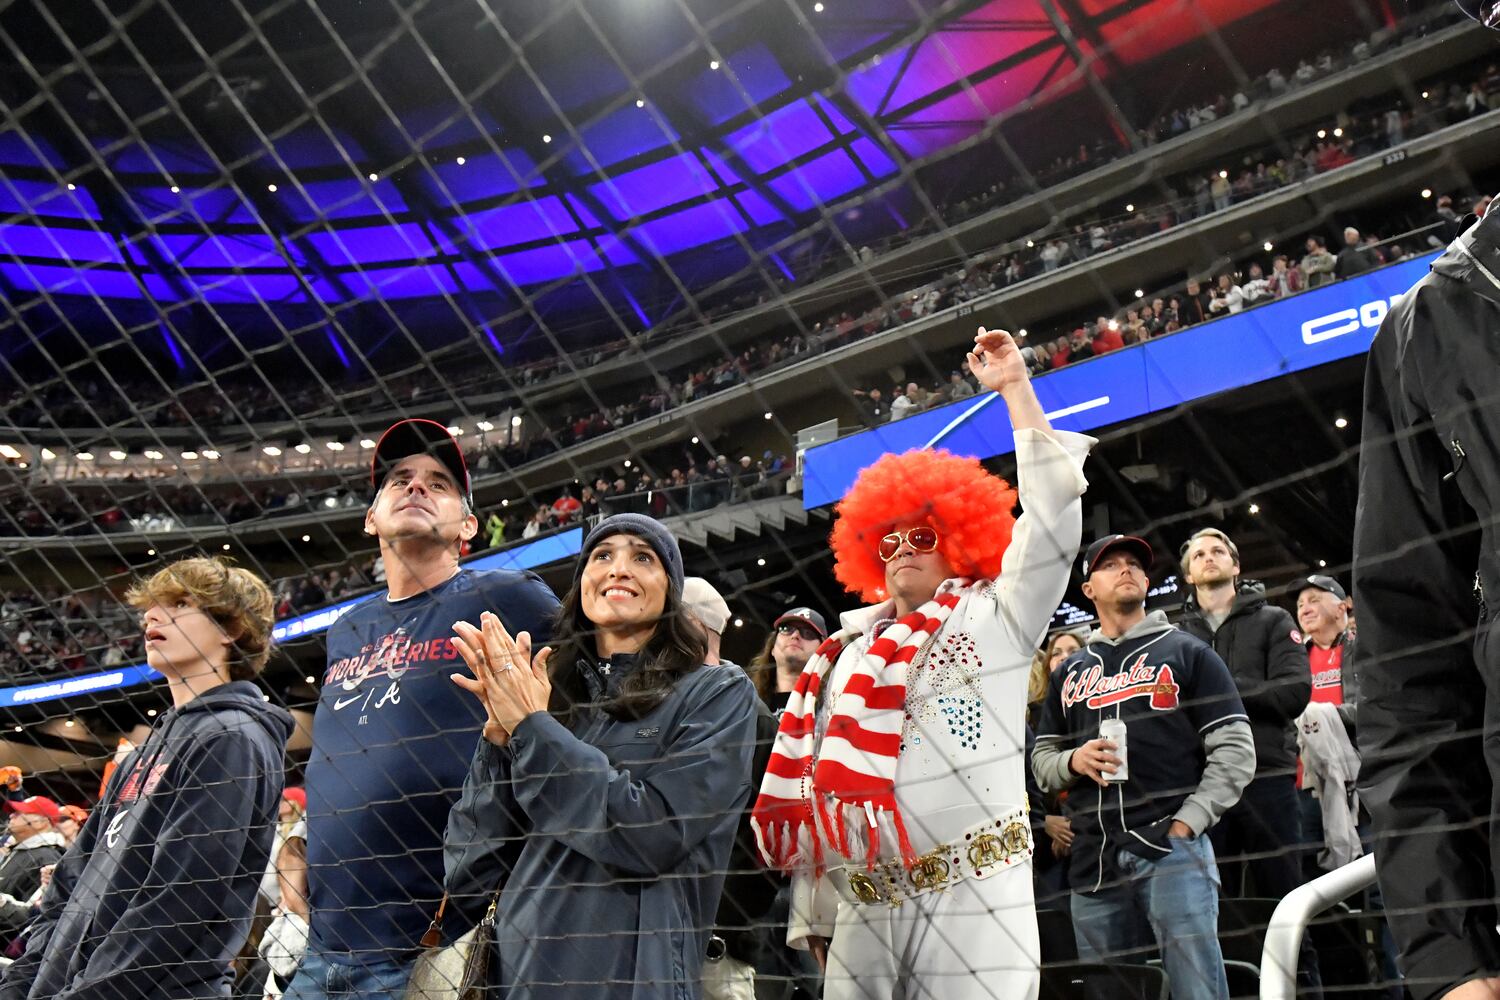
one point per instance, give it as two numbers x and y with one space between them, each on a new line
706 605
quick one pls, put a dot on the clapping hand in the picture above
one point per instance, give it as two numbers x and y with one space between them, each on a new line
509 682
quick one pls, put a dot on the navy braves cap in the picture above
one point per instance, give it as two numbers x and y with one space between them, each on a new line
1109 543
417 436
808 617
1327 583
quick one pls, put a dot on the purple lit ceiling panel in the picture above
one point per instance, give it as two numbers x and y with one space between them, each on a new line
272 288
691 228
780 136
868 84
78 245
619 135
17 150
666 182
215 205
754 75
21 197
762 212
482 175
372 244
532 267
177 158
824 179
875 159
508 225
962 115
88 281
846 38
437 127
159 289
956 55
616 252
313 146
342 200
221 251
400 283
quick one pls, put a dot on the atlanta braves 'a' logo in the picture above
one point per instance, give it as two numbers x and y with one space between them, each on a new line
1139 680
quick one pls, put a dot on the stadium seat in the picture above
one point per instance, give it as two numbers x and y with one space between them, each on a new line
1244 979
1242 927
1099 981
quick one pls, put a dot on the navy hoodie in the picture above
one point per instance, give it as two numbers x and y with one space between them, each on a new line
154 899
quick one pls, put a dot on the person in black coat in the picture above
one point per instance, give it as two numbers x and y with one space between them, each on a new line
1426 566
37 844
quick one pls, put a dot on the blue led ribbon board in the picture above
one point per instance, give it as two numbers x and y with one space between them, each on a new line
1292 335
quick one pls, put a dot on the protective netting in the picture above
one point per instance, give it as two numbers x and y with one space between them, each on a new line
706 263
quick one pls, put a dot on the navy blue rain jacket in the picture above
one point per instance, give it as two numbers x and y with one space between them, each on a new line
611 839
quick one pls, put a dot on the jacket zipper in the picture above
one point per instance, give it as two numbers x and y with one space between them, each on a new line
1458 459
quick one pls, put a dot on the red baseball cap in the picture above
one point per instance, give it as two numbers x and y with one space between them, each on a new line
36 805
297 795
418 436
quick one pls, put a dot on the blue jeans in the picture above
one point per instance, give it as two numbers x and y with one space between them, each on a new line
320 977
1176 900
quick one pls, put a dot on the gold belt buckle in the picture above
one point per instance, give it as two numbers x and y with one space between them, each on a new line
864 887
930 871
987 849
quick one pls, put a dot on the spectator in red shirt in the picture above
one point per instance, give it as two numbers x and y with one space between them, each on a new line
565 507
1106 337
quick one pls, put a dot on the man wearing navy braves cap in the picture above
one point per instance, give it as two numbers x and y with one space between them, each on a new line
392 735
1140 844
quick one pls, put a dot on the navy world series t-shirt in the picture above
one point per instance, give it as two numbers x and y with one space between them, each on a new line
393 737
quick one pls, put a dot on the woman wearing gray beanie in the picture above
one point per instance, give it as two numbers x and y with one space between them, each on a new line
602 803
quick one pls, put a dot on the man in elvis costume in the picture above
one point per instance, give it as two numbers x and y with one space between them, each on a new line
896 795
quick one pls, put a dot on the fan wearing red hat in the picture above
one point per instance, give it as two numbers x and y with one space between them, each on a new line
1141 812
392 735
910 718
35 844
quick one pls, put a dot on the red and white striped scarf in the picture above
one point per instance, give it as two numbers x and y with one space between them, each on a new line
852 780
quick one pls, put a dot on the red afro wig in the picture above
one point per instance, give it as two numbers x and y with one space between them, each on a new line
971 510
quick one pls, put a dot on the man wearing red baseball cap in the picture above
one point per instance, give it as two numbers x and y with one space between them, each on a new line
1140 818
393 736
37 844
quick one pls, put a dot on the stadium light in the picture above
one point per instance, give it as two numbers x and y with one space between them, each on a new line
303 448
210 454
1338 133
817 8
366 443
768 414
226 546
461 161
455 430
150 713
374 177
761 561
546 138
9 451
72 187
627 463
1341 423
1255 508
69 722
739 623
1021 332
85 456
1130 207
1427 192
1322 133
1266 246
1140 293
310 679
330 502
515 421
335 446
640 103
307 538
48 454
271 188
117 455
153 454
713 64
150 552
1223 175
176 189
1322 564
695 439
20 729
190 456
485 425
271 450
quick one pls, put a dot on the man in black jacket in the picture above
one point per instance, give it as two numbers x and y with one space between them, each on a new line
37 844
1264 651
1426 556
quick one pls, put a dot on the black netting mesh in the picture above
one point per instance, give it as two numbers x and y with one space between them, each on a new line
702 262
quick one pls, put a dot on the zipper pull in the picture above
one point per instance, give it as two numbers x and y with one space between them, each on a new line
1458 458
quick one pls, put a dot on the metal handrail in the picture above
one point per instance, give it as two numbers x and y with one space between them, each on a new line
1278 959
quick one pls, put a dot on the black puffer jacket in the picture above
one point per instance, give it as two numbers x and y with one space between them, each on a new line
1264 651
1426 557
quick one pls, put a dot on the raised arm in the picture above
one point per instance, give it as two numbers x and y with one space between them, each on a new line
1050 482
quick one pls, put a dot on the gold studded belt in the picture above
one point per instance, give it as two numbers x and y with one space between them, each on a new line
983 851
